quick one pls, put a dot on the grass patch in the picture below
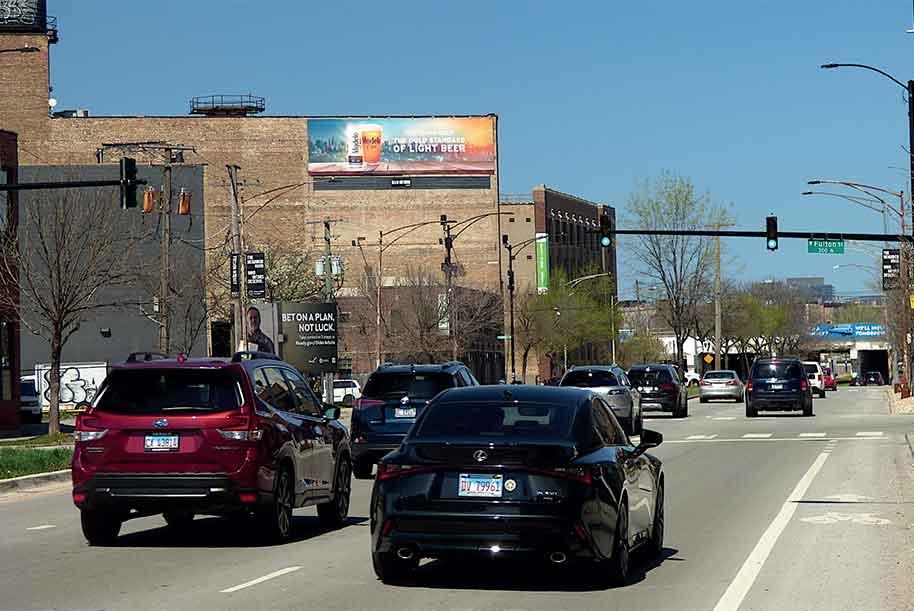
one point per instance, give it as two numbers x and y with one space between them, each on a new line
60 439
693 391
15 462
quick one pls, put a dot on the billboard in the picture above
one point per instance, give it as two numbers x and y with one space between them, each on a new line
310 332
542 263
23 15
412 145
849 331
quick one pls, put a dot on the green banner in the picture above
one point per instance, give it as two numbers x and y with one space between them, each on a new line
542 262
825 247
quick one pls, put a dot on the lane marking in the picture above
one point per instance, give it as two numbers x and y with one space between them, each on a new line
775 439
724 418
812 434
701 436
42 527
869 434
741 584
254 582
833 517
756 436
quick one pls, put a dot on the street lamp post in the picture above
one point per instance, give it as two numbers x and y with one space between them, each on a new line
511 286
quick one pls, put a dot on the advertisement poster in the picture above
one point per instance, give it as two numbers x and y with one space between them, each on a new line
848 331
542 263
310 331
261 327
419 145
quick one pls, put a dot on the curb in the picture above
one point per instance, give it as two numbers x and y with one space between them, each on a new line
31 482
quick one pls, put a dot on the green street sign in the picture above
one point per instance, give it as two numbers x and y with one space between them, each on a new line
501 337
825 247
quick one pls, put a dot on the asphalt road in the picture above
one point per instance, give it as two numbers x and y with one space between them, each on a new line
780 512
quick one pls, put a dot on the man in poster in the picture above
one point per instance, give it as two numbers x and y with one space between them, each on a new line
256 335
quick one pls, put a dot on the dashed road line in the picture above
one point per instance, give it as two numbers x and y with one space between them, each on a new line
756 436
812 434
869 434
254 582
42 527
701 436
724 418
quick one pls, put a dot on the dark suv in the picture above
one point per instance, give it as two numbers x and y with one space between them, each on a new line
392 399
662 388
205 436
778 385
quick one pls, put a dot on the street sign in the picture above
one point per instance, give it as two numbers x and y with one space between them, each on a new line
310 331
825 247
255 267
235 275
912 302
709 359
891 268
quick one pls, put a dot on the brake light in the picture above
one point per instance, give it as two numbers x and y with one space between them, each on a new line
705 383
804 385
79 498
732 382
361 403
667 387
241 428
391 471
578 474
749 384
85 429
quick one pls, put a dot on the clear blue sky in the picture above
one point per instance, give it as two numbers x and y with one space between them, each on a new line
592 96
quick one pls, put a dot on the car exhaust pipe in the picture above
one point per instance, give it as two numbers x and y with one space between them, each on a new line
557 557
405 553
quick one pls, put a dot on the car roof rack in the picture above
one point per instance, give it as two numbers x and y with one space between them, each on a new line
247 355
136 357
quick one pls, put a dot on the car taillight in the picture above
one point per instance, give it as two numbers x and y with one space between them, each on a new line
749 385
578 474
241 428
732 382
366 403
86 429
705 383
667 387
391 471
804 385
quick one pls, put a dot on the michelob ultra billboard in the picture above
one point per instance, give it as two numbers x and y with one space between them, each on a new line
412 145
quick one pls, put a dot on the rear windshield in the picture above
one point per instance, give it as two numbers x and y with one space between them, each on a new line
779 370
720 375
654 377
501 420
412 385
344 384
154 391
27 388
589 379
811 368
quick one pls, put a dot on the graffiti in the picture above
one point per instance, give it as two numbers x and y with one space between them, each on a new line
21 13
79 382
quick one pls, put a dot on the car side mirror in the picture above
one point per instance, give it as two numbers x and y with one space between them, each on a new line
331 412
649 439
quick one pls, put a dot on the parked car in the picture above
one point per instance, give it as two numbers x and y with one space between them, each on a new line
530 471
873 378
692 378
393 397
611 382
720 384
202 436
778 385
662 389
346 391
816 376
29 404
831 380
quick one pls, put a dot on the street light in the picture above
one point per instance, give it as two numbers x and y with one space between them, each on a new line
21 50
511 256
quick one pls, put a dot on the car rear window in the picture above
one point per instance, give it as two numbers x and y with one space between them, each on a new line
154 391
811 368
653 377
344 384
589 379
412 385
501 420
27 388
720 375
777 369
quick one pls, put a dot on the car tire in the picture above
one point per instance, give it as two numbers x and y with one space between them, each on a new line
178 520
656 540
751 412
702 400
822 394
334 514
276 518
639 427
99 528
392 570
362 469
620 562
683 411
807 409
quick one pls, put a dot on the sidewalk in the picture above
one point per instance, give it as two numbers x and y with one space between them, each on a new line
897 405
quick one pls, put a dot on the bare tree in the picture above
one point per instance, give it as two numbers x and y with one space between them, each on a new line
69 260
417 319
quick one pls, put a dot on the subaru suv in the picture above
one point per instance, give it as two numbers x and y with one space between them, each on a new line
779 385
392 399
179 437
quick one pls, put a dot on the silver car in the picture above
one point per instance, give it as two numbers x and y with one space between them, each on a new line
613 384
720 384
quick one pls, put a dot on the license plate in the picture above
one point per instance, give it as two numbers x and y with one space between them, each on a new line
777 387
161 443
487 486
404 412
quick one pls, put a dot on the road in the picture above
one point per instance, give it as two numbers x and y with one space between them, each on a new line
779 512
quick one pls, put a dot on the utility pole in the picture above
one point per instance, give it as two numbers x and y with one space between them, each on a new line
164 259
241 334
717 324
448 268
378 302
328 263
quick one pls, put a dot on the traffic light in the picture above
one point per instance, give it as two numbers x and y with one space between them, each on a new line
605 231
771 232
128 183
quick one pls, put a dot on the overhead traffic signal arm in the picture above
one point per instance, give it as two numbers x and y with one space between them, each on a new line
127 182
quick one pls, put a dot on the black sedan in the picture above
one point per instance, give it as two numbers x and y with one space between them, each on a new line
529 471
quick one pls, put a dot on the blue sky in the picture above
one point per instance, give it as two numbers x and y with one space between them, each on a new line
591 96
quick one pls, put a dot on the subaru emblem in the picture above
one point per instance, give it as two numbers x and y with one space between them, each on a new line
404 400
480 456
160 423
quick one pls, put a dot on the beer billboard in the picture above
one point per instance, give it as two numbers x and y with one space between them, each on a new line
412 145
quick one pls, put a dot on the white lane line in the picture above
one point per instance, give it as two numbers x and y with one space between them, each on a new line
42 527
756 436
741 584
869 434
773 439
812 434
701 436
254 582
724 418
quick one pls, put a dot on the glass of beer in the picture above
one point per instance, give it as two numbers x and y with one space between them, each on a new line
371 143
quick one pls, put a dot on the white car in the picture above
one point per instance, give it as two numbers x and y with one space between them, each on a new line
692 378
29 406
816 376
342 389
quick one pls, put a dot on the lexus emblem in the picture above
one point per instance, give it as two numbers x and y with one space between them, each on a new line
480 456
160 423
404 400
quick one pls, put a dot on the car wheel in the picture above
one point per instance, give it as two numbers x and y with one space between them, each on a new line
751 412
621 556
178 520
702 400
807 409
362 469
640 426
392 570
822 394
99 528
276 518
656 542
334 513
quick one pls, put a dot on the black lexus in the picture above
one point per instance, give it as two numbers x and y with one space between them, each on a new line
531 471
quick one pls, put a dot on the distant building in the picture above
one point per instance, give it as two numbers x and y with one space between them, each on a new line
813 289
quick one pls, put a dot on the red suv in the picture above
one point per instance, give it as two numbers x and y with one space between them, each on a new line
205 436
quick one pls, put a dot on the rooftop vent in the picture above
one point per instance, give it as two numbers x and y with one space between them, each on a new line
72 113
227 105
